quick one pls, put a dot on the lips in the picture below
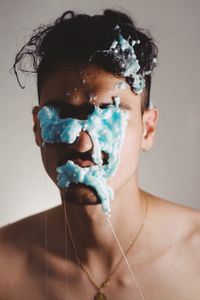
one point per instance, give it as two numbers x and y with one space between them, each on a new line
83 159
83 163
78 161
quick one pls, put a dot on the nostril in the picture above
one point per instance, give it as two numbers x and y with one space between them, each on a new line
105 158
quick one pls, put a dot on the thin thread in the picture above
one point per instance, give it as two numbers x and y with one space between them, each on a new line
46 239
46 244
115 236
65 232
46 236
45 225
127 263
73 243
46 265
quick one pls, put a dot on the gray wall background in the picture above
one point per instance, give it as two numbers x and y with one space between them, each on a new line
172 169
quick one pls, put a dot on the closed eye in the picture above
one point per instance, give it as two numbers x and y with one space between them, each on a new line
66 110
122 105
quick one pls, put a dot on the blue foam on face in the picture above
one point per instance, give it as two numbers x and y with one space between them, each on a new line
106 128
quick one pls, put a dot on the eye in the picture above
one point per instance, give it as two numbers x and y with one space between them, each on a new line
63 110
66 112
80 112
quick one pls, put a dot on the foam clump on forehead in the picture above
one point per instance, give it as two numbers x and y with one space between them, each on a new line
122 51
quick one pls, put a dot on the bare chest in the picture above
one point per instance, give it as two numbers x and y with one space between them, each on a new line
164 281
173 276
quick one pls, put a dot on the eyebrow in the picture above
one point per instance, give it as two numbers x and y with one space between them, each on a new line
60 102
55 102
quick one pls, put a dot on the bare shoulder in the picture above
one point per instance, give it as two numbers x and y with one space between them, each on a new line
18 239
15 242
28 230
10 257
14 235
22 250
179 221
175 210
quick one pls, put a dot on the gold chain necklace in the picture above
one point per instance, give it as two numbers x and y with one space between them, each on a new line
100 295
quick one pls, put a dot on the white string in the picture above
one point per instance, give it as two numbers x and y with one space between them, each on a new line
45 239
46 265
65 232
75 250
76 253
46 245
65 237
127 263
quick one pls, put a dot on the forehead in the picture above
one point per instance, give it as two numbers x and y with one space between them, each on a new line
71 81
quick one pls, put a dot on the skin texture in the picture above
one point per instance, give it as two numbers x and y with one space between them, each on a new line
165 258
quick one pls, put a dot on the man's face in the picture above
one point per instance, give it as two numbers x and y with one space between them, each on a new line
74 90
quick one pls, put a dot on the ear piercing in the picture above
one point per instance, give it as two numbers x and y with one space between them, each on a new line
145 149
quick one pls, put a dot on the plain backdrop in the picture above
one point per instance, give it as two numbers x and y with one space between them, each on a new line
171 169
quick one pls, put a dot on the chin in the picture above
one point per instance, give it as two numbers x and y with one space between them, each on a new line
80 194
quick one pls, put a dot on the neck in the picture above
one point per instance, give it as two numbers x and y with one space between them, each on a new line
91 231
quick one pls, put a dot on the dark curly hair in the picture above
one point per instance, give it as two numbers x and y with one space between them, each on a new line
76 37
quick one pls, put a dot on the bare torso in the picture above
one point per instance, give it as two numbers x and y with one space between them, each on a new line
167 268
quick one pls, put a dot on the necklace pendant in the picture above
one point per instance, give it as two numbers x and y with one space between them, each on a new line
100 296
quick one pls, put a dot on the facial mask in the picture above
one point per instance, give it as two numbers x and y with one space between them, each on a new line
106 128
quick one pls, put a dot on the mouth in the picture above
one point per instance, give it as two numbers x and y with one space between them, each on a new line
83 160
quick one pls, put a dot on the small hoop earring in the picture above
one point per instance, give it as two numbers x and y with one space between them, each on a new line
145 149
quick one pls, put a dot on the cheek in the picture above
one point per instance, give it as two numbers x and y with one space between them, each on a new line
129 157
49 160
50 154
132 143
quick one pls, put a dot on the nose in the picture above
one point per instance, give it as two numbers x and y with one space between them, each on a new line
83 143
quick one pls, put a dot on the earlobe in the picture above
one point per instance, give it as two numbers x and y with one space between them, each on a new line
35 111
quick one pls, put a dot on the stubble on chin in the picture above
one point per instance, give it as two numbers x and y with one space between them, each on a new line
80 194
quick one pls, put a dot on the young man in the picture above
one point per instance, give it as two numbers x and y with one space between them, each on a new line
109 239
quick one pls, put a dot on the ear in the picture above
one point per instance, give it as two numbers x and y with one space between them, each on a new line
149 120
35 111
